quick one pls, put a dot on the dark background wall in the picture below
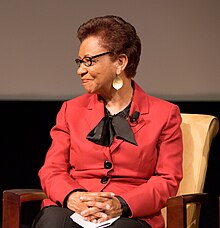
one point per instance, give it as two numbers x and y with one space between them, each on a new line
24 140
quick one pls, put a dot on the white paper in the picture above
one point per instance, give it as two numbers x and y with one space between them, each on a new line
79 219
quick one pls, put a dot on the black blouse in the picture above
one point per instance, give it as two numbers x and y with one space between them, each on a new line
110 126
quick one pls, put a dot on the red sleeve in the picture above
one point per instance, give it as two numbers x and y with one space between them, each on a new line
54 175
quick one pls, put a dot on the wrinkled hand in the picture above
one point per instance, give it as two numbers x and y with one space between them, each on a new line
95 206
75 204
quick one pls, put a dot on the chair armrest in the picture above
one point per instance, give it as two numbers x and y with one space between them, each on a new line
189 198
219 211
24 195
12 200
176 208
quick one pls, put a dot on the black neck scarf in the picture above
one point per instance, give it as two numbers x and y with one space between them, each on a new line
110 126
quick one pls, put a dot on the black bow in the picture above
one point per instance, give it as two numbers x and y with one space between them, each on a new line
110 126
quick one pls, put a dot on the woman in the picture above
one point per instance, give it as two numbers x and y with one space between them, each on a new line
116 151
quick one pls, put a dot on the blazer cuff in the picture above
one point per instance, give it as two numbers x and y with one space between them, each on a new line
126 212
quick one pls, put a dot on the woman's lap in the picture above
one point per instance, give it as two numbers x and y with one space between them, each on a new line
58 217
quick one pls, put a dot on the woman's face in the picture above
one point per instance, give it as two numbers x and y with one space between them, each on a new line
98 77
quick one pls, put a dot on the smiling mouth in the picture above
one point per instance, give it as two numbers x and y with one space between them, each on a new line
84 81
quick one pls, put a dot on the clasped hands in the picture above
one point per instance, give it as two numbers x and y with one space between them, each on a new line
95 207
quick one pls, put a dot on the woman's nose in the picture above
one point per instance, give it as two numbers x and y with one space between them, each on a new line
81 70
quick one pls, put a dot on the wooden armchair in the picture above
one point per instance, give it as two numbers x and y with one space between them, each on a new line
182 210
198 132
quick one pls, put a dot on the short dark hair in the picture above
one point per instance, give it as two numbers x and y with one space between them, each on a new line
118 37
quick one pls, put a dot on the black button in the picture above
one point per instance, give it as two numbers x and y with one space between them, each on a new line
107 165
104 180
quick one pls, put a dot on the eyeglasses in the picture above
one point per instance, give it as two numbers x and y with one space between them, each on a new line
88 60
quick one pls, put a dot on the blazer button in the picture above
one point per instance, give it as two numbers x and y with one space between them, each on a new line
104 180
107 165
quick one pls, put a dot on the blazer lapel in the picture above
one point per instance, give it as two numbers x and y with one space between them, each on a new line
95 112
139 104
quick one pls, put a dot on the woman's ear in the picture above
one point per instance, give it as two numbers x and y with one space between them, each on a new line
121 63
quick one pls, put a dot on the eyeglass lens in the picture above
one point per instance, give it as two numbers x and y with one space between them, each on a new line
87 61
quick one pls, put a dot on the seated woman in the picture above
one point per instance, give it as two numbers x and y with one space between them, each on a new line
116 151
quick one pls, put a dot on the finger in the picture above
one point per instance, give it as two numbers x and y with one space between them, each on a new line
113 204
102 217
101 205
76 205
109 204
90 211
94 221
97 195
113 208
94 199
91 218
91 201
113 212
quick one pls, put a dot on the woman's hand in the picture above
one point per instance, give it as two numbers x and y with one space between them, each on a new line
75 204
95 206
101 206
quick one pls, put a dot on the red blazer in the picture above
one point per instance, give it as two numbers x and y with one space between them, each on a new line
144 175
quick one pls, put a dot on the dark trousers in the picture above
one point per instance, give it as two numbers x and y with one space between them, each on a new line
58 217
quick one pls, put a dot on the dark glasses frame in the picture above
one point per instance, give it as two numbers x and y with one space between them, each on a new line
88 60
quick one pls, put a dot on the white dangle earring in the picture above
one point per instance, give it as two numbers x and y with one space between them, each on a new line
117 82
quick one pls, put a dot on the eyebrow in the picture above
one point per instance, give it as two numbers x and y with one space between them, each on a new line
86 55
